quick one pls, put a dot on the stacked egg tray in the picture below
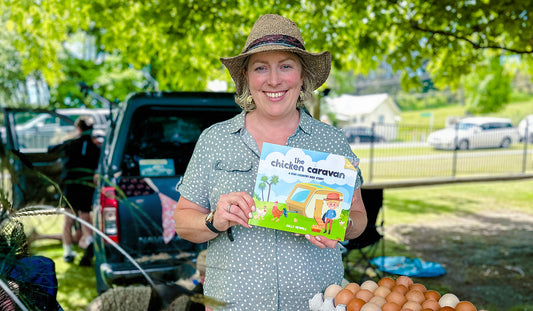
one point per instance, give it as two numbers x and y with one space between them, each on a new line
387 294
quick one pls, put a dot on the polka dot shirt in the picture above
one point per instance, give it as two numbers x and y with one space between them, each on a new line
262 269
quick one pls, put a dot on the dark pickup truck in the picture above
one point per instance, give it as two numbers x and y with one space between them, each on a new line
143 159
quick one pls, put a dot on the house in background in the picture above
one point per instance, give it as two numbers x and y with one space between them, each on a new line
378 110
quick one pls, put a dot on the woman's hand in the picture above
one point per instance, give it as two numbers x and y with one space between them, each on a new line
321 241
234 208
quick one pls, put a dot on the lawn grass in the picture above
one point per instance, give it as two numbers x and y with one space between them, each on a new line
520 106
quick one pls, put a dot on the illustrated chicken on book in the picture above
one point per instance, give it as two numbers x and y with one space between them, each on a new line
276 212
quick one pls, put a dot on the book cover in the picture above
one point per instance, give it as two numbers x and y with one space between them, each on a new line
303 191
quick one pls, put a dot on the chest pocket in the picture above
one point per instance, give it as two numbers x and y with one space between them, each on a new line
231 176
233 166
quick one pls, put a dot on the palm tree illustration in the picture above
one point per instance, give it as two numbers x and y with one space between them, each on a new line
273 180
262 186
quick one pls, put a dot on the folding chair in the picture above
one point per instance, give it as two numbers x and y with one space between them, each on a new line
367 244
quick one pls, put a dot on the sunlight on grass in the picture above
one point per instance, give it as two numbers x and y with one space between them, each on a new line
413 204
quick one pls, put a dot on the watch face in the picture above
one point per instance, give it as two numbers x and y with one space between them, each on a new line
209 217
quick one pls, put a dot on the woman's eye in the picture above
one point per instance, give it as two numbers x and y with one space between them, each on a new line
260 68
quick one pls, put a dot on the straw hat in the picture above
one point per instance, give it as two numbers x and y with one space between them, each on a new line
276 33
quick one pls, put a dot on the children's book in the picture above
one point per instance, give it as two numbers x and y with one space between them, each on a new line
303 191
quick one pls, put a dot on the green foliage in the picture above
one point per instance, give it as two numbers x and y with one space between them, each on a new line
181 42
488 89
432 99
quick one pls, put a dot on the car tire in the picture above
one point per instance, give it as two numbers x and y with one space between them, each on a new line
463 145
506 142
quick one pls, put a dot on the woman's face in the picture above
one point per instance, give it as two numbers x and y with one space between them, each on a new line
275 80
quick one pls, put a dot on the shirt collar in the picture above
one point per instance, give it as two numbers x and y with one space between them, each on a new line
305 124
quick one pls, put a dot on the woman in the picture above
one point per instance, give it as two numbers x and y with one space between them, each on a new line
255 268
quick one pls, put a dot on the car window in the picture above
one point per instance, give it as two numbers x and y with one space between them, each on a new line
37 131
465 126
161 141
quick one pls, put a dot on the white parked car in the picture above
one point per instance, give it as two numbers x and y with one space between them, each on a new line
475 132
525 128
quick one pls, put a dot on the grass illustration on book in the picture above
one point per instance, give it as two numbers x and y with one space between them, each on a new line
303 191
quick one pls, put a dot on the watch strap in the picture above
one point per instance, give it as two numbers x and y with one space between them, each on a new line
210 225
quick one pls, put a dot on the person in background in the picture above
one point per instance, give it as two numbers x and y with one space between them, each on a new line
80 160
256 268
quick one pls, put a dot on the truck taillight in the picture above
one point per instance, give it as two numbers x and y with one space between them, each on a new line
109 213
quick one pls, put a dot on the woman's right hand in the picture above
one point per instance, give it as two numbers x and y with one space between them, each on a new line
234 208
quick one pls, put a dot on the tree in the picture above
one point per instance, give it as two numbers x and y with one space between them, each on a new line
489 88
181 41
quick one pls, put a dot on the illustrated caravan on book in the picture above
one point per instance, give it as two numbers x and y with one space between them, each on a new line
303 191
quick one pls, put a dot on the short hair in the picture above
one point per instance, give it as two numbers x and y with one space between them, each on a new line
307 88
84 123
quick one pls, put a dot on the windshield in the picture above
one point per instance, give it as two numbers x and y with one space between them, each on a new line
161 141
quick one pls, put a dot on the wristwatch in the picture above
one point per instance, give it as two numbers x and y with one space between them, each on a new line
209 222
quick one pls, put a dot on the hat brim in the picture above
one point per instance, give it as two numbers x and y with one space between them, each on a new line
319 64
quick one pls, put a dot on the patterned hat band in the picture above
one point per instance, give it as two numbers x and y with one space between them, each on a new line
284 40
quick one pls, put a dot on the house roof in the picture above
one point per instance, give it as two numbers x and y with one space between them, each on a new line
363 104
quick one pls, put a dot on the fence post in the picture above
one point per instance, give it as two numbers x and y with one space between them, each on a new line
371 154
526 141
455 149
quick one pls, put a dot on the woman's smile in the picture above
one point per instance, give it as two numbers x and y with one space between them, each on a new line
275 77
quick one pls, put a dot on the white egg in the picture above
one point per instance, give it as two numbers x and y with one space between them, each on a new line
448 300
370 285
332 291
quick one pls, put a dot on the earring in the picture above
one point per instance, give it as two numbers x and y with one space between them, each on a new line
301 98
249 99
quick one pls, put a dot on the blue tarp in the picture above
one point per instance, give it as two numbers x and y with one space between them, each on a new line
408 266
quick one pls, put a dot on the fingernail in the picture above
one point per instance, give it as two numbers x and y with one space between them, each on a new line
250 215
318 238
253 208
307 236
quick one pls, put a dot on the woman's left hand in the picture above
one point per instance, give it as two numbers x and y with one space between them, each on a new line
321 241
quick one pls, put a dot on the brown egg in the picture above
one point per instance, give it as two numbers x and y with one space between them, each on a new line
370 285
419 287
413 305
343 297
431 304
404 280
465 306
390 306
353 287
364 294
402 289
415 295
377 300
397 298
332 290
427 309
387 282
447 308
432 294
382 291
355 304
406 309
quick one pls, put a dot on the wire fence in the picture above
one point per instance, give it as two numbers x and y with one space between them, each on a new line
402 154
